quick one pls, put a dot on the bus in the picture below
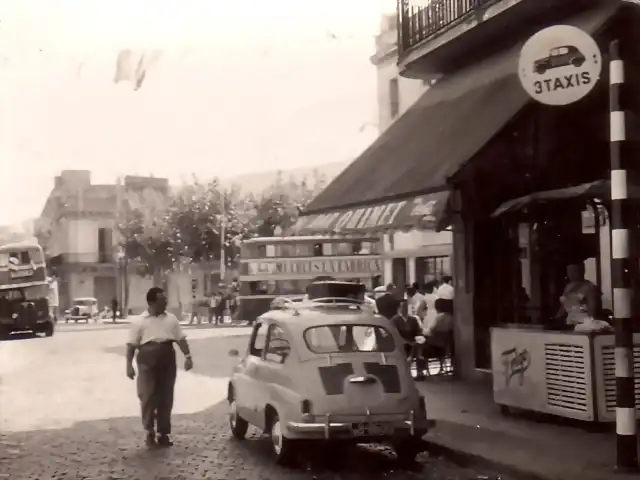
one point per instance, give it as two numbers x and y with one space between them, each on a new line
272 267
24 290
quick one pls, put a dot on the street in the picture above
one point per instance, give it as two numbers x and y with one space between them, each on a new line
67 411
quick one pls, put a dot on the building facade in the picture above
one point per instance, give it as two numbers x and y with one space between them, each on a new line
477 155
83 243
413 255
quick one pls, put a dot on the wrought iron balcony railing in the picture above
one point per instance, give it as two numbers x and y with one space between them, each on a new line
420 20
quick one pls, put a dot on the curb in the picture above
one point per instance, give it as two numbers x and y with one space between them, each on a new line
467 459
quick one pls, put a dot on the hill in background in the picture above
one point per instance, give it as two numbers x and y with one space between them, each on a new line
256 183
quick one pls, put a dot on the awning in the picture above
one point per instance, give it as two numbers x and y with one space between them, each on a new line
600 189
447 126
421 212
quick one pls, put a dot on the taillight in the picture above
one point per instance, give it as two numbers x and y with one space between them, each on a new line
306 406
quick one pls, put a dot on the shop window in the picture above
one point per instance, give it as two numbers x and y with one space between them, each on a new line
356 248
317 250
261 251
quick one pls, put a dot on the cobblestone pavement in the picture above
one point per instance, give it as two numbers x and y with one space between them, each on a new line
68 412
113 449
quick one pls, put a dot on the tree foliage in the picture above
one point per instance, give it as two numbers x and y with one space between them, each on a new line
202 217
144 239
277 208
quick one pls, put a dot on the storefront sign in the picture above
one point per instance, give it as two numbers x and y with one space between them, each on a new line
516 363
518 367
559 65
418 212
364 266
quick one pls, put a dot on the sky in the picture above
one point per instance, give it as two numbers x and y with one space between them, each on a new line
239 87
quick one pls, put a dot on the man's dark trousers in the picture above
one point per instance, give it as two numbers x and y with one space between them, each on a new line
156 380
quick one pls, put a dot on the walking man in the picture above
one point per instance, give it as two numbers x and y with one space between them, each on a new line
151 340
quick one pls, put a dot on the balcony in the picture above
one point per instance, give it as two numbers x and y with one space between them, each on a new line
436 37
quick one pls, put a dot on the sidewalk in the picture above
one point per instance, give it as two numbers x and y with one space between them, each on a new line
470 426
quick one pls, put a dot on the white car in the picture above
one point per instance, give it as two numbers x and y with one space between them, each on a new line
84 308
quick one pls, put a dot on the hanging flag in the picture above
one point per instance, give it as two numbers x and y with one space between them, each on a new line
133 66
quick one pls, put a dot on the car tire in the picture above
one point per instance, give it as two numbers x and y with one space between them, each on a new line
407 449
540 70
283 448
237 424
577 62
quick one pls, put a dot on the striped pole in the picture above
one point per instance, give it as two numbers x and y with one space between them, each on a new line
624 266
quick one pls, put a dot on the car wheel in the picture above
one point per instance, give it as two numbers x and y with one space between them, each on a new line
540 70
577 62
407 449
283 447
238 425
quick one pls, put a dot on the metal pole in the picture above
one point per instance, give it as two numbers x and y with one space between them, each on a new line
223 261
624 267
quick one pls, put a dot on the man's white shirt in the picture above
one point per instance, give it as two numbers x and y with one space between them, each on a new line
445 291
151 328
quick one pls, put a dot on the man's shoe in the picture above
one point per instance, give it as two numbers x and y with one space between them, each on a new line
164 441
150 440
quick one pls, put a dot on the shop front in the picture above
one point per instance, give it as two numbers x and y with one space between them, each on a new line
412 251
478 142
529 210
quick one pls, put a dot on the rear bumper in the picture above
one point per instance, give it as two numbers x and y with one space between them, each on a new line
328 429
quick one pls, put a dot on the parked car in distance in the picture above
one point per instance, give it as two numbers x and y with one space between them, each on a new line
326 372
84 308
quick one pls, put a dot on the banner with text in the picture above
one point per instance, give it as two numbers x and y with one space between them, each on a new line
419 212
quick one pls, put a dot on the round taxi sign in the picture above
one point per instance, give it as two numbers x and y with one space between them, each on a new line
559 65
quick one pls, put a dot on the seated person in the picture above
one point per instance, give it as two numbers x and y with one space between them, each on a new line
410 330
580 302
439 330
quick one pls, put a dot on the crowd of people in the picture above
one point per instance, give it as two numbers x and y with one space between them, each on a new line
218 305
423 315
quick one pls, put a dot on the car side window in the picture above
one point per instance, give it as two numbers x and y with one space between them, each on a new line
278 348
259 340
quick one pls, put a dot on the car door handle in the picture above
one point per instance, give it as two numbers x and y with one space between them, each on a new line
362 380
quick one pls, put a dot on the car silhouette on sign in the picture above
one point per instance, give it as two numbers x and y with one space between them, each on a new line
559 57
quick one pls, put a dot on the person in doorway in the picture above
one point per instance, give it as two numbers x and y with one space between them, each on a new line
114 310
151 339
580 299
387 304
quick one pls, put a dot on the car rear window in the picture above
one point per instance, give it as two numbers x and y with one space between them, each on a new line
338 338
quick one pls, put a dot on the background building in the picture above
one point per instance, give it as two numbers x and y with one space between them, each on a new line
417 254
395 93
80 220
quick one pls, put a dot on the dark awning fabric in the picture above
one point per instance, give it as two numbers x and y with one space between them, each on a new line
600 189
442 131
418 212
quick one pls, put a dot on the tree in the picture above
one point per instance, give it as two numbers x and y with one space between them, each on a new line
144 239
198 218
277 208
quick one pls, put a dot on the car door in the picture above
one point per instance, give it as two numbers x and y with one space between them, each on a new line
247 383
274 373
